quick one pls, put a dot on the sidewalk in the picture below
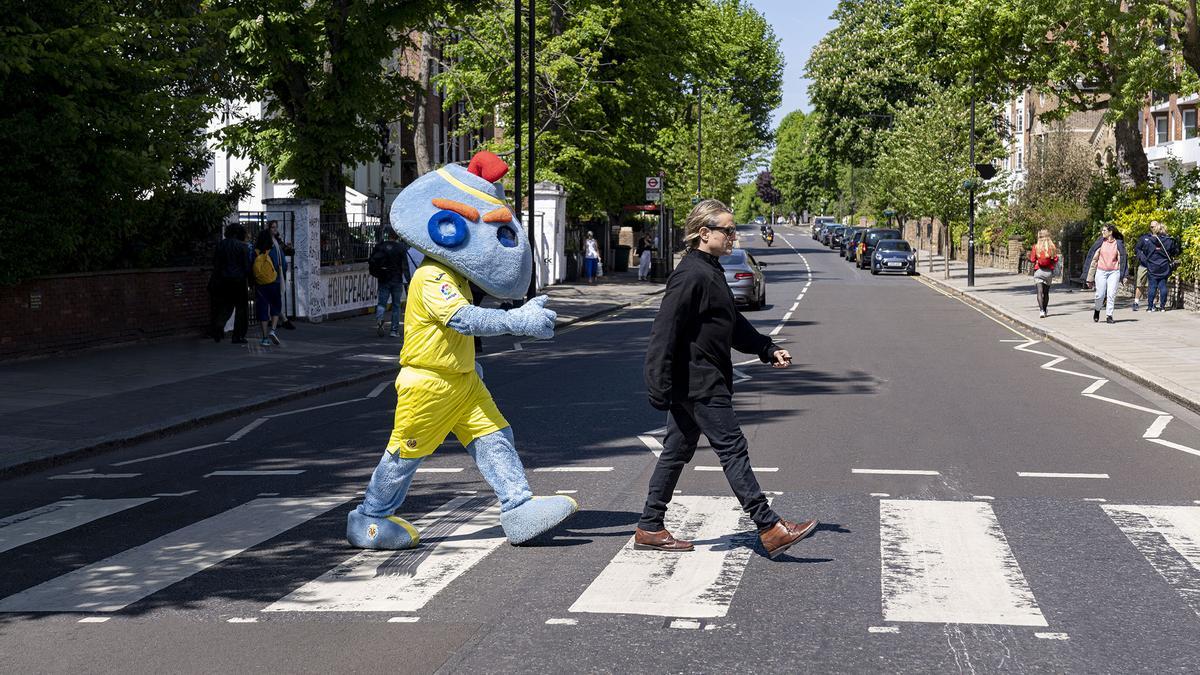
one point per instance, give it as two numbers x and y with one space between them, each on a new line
1160 350
66 405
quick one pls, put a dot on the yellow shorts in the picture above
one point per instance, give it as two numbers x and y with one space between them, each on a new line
430 405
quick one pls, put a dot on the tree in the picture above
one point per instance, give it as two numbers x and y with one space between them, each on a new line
804 176
325 73
746 204
764 186
102 133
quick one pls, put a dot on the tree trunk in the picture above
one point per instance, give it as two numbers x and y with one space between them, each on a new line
422 130
333 190
1189 38
1130 150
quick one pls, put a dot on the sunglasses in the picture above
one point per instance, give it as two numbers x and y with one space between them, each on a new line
728 231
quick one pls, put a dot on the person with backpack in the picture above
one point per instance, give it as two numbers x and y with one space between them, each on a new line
389 264
231 269
1157 253
1044 257
268 288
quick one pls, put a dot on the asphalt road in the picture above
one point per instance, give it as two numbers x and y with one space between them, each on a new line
979 514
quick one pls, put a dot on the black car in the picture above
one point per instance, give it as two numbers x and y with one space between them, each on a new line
819 224
849 241
866 246
893 255
831 237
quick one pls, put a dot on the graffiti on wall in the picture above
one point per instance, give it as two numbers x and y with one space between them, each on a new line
349 287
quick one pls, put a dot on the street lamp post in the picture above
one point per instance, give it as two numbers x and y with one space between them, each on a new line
532 138
699 132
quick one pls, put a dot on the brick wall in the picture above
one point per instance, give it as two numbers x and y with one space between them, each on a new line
57 313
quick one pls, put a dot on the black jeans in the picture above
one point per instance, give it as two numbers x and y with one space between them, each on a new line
229 296
1043 296
714 418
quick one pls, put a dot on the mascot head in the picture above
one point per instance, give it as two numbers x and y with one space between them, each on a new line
458 216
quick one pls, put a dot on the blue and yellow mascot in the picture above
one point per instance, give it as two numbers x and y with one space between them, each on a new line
458 218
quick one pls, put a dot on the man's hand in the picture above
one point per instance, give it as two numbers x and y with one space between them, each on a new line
781 359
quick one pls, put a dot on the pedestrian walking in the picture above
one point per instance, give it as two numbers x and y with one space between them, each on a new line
1044 257
645 249
1112 268
268 287
689 373
1157 253
591 258
389 264
227 287
283 251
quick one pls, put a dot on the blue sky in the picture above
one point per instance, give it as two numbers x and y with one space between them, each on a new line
799 24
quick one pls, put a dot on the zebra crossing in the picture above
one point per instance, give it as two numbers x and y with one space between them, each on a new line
940 561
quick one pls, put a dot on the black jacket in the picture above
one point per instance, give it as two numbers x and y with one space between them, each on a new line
688 355
1156 254
232 259
392 260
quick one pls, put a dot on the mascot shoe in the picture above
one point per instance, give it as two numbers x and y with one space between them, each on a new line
389 534
536 517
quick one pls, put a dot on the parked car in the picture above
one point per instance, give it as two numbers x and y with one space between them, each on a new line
848 237
893 255
821 222
745 278
833 232
852 244
866 247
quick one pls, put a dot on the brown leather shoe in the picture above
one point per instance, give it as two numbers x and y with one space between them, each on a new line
659 541
780 536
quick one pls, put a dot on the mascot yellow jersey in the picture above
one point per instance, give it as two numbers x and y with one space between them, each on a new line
435 294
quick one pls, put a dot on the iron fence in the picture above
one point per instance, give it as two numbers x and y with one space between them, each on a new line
347 239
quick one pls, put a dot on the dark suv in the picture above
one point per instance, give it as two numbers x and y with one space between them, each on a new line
870 238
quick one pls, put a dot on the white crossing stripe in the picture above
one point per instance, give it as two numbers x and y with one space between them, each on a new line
262 472
573 469
948 562
121 580
1169 538
896 472
90 476
439 469
698 584
651 443
454 538
757 469
46 521
170 454
1046 474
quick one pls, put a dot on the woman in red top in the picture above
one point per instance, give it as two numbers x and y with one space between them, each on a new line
1044 257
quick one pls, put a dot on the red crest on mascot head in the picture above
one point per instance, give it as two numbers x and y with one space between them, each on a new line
487 166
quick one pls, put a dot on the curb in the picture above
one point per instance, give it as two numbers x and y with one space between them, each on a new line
1118 366
121 439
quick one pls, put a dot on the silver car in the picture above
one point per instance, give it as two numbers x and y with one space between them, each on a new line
745 278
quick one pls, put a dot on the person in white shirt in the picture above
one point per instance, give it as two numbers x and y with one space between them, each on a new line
591 258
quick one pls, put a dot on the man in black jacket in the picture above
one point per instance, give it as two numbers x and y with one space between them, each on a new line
389 264
231 270
689 373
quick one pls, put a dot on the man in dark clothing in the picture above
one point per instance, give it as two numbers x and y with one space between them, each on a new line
689 373
231 269
389 264
1155 252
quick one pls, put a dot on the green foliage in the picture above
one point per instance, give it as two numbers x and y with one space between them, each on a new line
102 127
804 176
746 204
621 87
1133 211
318 68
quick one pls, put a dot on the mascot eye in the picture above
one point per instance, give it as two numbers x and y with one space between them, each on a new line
447 228
507 236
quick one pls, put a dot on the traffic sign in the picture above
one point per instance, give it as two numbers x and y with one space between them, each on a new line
653 184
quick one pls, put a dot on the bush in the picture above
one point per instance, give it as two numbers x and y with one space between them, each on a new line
1134 209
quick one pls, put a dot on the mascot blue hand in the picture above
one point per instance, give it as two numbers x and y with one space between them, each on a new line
531 319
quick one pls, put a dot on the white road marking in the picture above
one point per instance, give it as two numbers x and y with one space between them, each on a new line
439 469
1022 341
371 357
1123 404
257 472
775 330
169 454
794 306
304 410
246 429
652 443
404 619
1094 387
562 622
897 472
1169 538
573 469
883 629
565 492
243 619
739 376
984 497
94 619
455 537
880 494
662 430
517 346
175 494
1175 446
1160 425
123 579
46 521
949 562
1094 499
757 469
1052 636
90 476
787 317
379 388
686 624
1050 474
698 584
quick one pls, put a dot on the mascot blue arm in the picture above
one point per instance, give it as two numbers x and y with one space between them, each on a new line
458 217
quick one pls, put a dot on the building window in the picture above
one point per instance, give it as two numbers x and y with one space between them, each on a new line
1161 130
1020 120
1020 159
1189 123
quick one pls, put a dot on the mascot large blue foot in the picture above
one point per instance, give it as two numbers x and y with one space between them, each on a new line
458 218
